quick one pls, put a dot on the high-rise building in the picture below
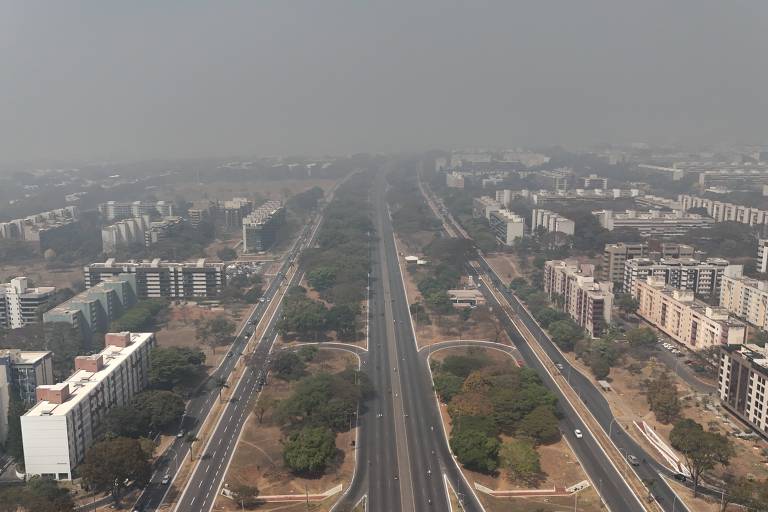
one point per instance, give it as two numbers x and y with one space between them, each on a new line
507 226
232 212
21 372
68 417
557 179
746 298
483 206
115 210
686 320
762 256
261 226
551 222
741 383
124 233
701 277
21 304
616 255
159 278
587 302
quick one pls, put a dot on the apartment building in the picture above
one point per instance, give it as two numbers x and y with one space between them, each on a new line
157 278
734 177
686 320
454 180
741 384
93 309
483 206
701 277
68 417
593 181
725 212
762 255
507 226
21 304
232 212
551 222
261 226
746 298
21 372
653 223
616 255
124 233
30 228
161 230
557 179
586 301
200 211
116 210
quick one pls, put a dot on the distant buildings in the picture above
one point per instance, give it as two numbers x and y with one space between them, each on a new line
567 197
161 230
124 233
261 226
115 210
92 310
762 255
587 302
454 180
483 206
653 223
616 255
21 372
156 278
232 212
734 177
200 211
46 227
700 277
746 298
741 383
593 181
68 417
507 226
557 179
551 222
724 212
686 320
21 304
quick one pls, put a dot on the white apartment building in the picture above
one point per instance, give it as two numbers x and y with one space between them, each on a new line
725 212
483 206
115 210
762 256
686 320
21 304
67 419
124 233
653 223
741 384
551 222
587 302
507 226
593 181
454 180
746 298
700 277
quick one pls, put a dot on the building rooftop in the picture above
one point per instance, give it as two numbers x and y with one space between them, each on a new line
507 215
24 357
82 382
756 354
155 263
688 298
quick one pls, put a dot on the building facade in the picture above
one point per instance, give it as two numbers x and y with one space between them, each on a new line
507 226
616 255
551 222
21 304
746 298
587 302
653 223
21 372
701 277
593 181
159 278
725 212
124 233
762 256
686 320
261 226
68 417
454 180
741 384
116 210
483 206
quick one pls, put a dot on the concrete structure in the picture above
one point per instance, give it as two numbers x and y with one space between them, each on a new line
21 304
616 255
260 227
454 180
21 372
551 222
593 181
68 417
700 277
762 255
735 177
93 310
200 211
159 278
124 233
675 174
741 384
161 230
466 298
657 202
686 320
746 298
653 223
115 210
587 302
557 179
507 226
483 206
231 213
725 212
30 228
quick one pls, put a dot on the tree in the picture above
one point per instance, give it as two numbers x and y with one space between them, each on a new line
220 383
627 303
701 450
14 445
226 254
565 333
520 458
162 408
38 495
245 494
126 421
289 366
310 450
641 337
470 404
541 425
212 332
190 439
263 404
343 319
462 366
475 450
308 352
172 366
322 278
447 385
663 398
111 463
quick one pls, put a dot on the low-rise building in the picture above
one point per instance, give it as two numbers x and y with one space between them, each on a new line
741 384
653 223
454 180
688 321
507 226
586 301
261 226
21 304
593 181
483 206
701 277
124 233
116 210
616 255
551 222
466 298
20 373
68 417
725 212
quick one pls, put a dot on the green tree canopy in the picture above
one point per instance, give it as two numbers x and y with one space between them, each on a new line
111 463
520 458
475 450
701 450
310 450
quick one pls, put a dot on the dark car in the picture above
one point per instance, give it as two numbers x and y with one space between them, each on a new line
680 477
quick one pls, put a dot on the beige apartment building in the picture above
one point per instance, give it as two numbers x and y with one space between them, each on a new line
686 320
746 298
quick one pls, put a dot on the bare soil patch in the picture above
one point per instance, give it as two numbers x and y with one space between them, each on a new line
40 275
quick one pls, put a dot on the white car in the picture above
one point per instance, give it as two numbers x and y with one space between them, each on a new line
578 434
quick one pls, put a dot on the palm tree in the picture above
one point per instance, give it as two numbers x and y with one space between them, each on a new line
220 383
190 439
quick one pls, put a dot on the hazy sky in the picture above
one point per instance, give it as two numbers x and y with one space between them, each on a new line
138 79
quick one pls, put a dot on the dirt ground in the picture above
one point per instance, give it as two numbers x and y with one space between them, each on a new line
507 266
270 189
258 456
42 276
179 329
